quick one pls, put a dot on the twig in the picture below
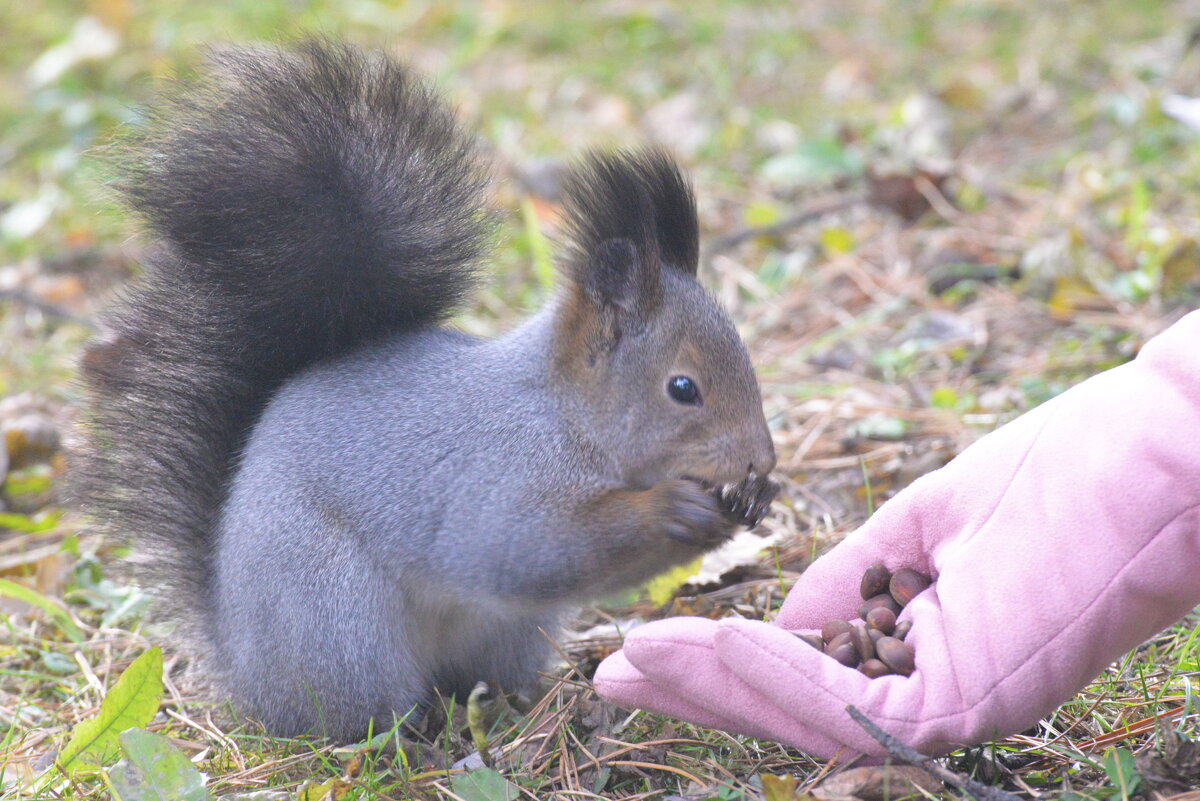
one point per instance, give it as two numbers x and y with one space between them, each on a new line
816 210
902 752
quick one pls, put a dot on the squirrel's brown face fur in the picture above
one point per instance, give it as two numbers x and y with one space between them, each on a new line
633 318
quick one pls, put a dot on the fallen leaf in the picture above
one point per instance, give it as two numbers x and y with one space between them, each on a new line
878 783
778 788
484 784
132 702
331 790
154 770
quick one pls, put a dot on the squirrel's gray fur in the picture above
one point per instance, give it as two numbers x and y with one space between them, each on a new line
345 503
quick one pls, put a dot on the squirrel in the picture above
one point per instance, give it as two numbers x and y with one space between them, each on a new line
344 502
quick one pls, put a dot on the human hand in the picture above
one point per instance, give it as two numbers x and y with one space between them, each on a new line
1057 543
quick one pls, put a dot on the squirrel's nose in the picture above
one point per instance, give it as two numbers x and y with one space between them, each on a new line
763 461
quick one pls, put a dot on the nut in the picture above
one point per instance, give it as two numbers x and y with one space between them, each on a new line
907 584
862 642
882 618
833 628
873 669
875 646
896 654
875 581
845 653
812 639
838 641
879 600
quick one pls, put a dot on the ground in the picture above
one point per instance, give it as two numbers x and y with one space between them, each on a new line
925 217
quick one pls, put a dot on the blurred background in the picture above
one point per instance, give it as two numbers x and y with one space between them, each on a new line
926 217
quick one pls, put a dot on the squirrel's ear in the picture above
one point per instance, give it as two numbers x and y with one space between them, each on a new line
619 281
613 291
613 255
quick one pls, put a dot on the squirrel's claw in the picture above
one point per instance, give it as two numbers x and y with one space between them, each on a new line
747 502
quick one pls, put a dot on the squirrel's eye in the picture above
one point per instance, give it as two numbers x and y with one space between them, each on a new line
683 390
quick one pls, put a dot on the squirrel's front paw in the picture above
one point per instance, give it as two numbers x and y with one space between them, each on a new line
692 515
747 503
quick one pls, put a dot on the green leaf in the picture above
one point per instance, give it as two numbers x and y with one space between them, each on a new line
663 587
483 784
154 770
1119 765
30 481
131 703
332 789
761 214
134 605
812 162
837 241
58 663
34 598
943 398
30 524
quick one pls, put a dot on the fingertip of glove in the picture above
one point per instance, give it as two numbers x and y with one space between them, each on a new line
616 668
665 639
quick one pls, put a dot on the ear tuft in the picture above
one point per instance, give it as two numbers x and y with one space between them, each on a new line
638 196
674 212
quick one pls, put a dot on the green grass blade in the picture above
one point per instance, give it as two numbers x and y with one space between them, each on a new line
34 598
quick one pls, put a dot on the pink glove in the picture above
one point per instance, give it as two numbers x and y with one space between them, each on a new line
1057 543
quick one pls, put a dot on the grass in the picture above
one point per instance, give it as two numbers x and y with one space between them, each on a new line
926 218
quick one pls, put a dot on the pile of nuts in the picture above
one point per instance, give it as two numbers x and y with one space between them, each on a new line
876 646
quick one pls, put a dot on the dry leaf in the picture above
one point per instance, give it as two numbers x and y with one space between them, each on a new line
878 783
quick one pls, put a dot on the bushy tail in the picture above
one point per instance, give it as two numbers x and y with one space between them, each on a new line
302 201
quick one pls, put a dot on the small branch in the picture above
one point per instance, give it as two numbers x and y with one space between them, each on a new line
900 751
815 211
